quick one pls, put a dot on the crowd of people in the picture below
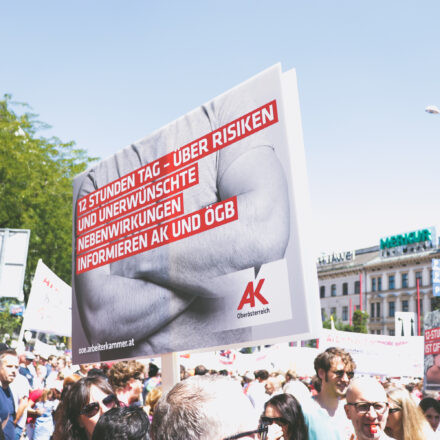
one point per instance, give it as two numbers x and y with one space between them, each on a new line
49 399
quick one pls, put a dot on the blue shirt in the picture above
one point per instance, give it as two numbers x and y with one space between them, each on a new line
7 412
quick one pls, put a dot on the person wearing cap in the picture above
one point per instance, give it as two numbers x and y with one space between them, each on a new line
26 367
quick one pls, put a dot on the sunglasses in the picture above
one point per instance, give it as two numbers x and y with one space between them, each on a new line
364 407
269 420
91 409
340 373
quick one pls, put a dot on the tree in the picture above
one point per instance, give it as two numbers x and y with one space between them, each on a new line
359 319
36 176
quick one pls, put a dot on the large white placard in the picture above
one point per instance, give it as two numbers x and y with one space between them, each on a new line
49 308
199 234
378 354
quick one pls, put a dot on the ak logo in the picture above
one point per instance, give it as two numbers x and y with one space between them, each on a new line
250 294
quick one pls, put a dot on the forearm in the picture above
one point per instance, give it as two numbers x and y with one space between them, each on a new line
260 234
115 308
20 410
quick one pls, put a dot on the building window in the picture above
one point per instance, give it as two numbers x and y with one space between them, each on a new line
345 313
357 307
379 283
378 310
404 280
391 309
372 306
333 290
345 289
419 277
391 332
357 287
323 316
421 305
322 292
405 305
373 284
333 312
391 282
378 332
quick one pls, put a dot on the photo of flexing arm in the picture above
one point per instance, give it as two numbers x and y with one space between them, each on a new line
166 298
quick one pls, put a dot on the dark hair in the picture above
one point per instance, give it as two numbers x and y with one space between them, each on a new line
153 369
261 374
200 370
67 414
122 423
324 360
290 409
429 402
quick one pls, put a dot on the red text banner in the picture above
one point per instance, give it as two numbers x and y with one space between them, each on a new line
199 221
139 220
139 198
432 341
240 128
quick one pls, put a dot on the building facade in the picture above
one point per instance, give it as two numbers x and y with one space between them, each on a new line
386 278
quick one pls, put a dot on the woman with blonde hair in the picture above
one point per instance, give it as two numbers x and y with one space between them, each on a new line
405 419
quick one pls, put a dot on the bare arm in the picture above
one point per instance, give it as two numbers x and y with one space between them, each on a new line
115 308
22 405
260 235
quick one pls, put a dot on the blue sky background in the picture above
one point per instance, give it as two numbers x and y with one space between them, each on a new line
105 74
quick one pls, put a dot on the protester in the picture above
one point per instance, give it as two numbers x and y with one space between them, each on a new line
256 391
405 419
203 408
81 407
200 370
284 417
335 368
127 378
151 401
123 423
152 381
367 408
431 410
8 372
20 391
44 408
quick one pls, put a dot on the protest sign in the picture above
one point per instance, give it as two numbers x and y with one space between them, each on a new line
379 354
199 234
49 307
432 351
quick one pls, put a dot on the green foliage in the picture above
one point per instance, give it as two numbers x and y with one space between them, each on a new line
359 319
9 324
36 176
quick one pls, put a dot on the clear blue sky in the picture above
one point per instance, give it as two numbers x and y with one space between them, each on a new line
105 74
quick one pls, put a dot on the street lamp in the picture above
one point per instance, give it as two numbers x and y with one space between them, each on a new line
433 109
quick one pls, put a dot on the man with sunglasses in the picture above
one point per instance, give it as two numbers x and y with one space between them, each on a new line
127 379
367 408
335 369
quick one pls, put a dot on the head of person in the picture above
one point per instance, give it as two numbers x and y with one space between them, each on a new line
85 368
152 398
153 370
82 405
261 375
53 360
367 407
127 379
405 420
8 366
335 368
122 423
431 409
200 370
291 375
285 411
204 408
